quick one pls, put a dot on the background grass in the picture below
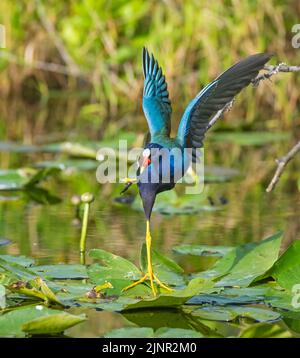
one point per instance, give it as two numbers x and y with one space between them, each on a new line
193 40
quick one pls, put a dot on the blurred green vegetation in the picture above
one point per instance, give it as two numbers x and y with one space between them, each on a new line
100 43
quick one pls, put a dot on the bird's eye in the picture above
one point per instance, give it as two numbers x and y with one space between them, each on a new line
146 153
146 157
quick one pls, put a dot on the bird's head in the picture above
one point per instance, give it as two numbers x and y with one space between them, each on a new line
155 174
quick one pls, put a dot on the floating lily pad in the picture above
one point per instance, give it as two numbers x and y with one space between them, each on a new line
18 147
244 264
17 322
221 300
229 313
61 271
131 332
72 149
202 250
14 179
21 260
258 259
16 269
165 332
24 178
115 269
52 324
146 332
286 271
69 164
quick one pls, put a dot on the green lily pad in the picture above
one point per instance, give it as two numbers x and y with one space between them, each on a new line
14 179
72 149
244 264
286 271
18 270
61 271
116 264
108 304
166 332
16 322
292 320
18 147
222 300
214 313
21 260
116 270
131 332
146 332
52 324
202 250
229 313
69 164
68 291
24 178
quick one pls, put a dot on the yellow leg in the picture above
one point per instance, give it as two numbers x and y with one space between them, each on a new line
150 274
194 175
149 261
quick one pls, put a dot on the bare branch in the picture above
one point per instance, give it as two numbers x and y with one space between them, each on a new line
281 164
220 113
39 65
273 70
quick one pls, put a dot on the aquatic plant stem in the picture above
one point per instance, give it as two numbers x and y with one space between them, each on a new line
86 198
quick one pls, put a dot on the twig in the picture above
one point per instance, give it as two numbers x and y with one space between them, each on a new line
281 164
39 65
220 113
271 71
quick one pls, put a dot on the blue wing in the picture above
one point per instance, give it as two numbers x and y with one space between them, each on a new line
214 97
156 102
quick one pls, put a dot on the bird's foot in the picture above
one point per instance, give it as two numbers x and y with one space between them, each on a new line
129 180
152 277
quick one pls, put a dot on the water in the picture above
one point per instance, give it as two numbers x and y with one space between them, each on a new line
50 233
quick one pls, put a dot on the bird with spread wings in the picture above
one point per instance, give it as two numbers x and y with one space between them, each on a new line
191 132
